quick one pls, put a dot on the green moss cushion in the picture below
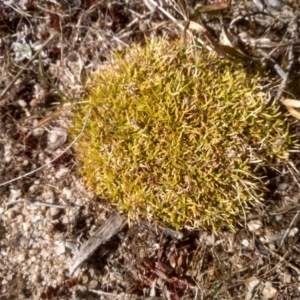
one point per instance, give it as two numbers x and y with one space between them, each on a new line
179 137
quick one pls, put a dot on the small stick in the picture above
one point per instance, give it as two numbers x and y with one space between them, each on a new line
38 203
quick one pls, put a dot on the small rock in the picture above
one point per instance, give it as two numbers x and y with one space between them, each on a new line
252 283
15 194
53 137
9 277
61 172
293 232
248 296
33 103
22 103
84 279
23 241
269 292
60 248
287 278
21 257
68 193
91 272
245 243
93 284
37 132
254 225
54 211
56 138
71 246
210 240
282 186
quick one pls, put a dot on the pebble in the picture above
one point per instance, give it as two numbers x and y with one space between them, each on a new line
67 192
54 211
252 283
61 172
269 292
22 103
56 138
93 284
282 186
60 248
245 243
254 225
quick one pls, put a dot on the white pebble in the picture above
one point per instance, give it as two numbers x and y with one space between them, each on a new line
248 296
60 248
61 172
71 246
293 232
245 243
23 241
252 283
287 278
22 103
84 279
26 226
56 138
68 193
15 194
53 137
33 103
38 132
91 272
65 220
21 257
9 277
269 291
272 246
254 225
282 186
54 211
20 218
14 226
93 284
25 162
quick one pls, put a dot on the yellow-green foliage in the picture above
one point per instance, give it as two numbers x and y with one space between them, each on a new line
178 137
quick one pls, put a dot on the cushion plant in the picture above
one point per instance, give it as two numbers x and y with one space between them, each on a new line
179 136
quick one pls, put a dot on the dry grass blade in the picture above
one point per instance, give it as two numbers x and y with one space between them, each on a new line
54 115
291 104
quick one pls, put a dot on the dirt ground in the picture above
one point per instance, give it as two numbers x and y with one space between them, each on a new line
47 214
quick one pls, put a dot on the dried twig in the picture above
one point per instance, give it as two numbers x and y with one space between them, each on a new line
38 203
111 227
287 232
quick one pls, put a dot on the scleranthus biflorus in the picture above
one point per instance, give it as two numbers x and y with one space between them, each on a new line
179 137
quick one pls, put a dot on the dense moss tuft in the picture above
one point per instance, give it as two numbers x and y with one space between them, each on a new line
179 137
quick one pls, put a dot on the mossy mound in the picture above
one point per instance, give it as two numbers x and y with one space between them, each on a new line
178 137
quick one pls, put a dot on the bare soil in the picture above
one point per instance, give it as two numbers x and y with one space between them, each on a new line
46 213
